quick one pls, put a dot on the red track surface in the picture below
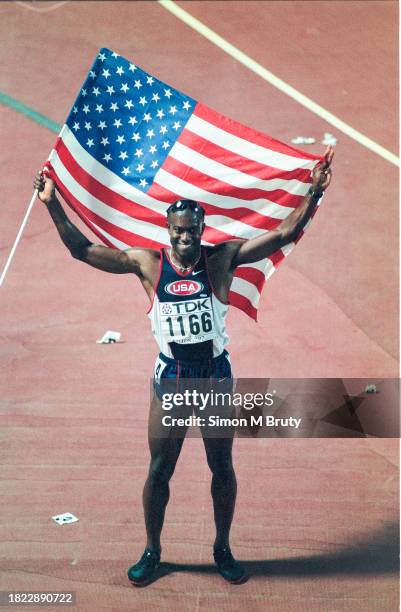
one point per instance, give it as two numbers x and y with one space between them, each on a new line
75 411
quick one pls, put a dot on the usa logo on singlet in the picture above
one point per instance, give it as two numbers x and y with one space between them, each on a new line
183 287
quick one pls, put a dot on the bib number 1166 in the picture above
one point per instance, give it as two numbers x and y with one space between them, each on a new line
192 324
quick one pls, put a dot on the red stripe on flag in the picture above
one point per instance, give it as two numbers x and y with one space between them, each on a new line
117 232
241 302
239 163
252 275
219 187
247 133
277 257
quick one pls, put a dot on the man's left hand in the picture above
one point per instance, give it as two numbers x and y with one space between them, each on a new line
322 173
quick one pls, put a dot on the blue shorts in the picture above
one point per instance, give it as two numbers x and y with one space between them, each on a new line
174 375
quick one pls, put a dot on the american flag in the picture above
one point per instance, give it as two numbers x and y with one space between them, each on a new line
132 145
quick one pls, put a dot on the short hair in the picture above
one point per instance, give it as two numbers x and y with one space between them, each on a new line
192 205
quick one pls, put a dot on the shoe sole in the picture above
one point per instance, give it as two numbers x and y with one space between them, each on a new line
243 578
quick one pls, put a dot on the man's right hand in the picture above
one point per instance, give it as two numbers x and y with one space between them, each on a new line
45 186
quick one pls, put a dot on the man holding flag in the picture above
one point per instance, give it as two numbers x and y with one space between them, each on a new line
135 153
191 345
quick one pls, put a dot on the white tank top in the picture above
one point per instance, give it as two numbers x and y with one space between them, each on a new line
188 319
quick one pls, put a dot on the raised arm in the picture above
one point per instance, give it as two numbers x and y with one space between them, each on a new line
98 256
258 248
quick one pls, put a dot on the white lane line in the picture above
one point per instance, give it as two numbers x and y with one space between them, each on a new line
271 78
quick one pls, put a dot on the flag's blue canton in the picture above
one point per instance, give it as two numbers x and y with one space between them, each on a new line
127 119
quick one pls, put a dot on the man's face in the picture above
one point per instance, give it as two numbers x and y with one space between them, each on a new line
185 230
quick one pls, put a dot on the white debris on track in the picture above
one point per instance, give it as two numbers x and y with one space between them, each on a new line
109 337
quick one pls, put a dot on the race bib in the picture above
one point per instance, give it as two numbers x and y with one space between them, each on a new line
187 322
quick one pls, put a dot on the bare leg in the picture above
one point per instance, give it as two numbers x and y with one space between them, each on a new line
164 454
224 486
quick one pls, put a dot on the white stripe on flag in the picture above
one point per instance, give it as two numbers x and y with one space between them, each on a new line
244 148
221 172
248 290
287 248
188 190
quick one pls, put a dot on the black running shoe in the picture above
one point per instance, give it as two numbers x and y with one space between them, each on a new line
142 572
228 567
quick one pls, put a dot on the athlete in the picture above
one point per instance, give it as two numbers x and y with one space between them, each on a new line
187 286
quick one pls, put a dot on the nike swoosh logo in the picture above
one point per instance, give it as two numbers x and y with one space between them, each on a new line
195 273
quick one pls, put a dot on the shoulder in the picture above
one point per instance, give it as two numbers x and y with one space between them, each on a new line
224 252
144 260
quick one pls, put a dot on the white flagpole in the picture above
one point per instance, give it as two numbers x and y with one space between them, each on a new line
21 229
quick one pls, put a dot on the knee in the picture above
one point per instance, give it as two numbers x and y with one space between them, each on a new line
223 470
160 472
